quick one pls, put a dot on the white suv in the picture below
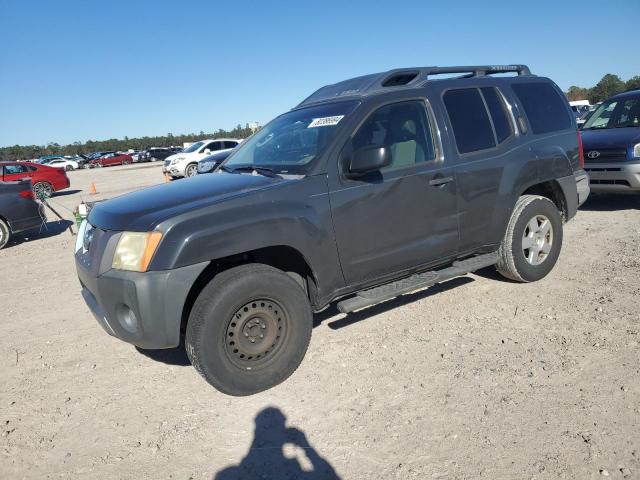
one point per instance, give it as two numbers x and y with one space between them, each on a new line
185 163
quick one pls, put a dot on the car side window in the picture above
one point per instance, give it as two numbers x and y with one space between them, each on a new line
545 108
469 118
13 169
230 144
403 128
498 113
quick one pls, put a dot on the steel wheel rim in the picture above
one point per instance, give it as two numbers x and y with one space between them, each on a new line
191 170
255 333
537 240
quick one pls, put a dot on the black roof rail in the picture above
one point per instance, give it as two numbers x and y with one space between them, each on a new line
403 77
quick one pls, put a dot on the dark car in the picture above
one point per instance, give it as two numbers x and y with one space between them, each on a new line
18 210
369 189
45 179
155 154
611 139
212 162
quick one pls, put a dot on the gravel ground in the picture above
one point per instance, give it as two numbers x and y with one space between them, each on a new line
475 378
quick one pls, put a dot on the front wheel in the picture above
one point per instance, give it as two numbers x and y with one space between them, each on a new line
68 168
249 329
533 240
191 170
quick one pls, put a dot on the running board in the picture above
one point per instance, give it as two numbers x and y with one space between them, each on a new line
418 281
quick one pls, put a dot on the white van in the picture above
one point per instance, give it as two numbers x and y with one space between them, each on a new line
185 163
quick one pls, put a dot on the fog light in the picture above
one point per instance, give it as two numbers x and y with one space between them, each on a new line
127 318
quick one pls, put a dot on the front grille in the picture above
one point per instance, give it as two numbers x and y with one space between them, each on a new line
603 169
606 155
609 182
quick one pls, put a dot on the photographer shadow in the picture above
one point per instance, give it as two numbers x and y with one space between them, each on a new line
266 457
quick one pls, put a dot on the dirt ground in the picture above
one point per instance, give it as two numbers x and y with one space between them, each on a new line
476 378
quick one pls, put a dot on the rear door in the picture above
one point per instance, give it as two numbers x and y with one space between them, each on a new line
403 216
482 141
16 171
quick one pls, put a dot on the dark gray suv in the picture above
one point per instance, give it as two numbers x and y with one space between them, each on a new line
369 189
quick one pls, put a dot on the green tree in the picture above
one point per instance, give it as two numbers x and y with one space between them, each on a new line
609 85
577 93
633 82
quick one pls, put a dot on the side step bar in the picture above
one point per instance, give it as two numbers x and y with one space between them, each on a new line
418 281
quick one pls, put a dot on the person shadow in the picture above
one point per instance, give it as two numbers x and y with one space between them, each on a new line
266 457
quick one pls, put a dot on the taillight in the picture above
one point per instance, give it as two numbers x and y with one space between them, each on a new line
580 151
26 194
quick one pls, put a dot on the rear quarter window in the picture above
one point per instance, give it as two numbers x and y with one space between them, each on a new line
545 108
471 125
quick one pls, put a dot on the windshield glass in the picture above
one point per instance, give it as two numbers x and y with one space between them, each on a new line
193 147
292 141
615 114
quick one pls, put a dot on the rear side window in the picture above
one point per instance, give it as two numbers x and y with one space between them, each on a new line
498 113
546 110
230 144
469 119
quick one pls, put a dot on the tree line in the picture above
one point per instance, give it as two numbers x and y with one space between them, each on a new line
28 152
607 86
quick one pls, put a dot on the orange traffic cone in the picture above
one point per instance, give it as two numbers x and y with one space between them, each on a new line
93 190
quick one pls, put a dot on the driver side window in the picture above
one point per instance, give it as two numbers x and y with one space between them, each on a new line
401 127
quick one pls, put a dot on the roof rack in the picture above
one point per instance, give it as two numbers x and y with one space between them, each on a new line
403 77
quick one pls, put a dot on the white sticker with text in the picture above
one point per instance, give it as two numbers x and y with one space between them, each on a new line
325 121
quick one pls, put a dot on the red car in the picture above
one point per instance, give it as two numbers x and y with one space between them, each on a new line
45 180
112 159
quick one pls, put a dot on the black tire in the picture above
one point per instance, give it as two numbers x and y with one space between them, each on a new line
42 190
191 170
235 308
522 264
5 233
68 168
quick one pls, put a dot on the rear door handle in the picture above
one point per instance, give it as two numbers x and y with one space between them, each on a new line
436 182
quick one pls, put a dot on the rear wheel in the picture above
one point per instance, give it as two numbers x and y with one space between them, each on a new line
42 190
533 240
5 233
191 170
249 329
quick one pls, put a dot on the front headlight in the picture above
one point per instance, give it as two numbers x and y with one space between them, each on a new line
636 150
206 167
135 250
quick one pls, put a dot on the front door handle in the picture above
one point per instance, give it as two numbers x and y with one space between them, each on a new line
438 181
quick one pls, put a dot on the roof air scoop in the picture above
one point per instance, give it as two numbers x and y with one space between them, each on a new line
398 79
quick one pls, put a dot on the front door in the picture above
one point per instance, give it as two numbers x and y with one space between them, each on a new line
404 215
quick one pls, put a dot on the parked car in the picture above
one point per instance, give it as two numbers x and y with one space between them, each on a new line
111 159
611 139
369 189
45 179
155 154
19 212
63 162
44 159
212 162
185 163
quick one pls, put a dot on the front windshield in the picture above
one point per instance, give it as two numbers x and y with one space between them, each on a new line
193 147
291 142
615 114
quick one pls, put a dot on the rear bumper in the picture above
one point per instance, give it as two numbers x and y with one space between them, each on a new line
614 177
576 191
144 309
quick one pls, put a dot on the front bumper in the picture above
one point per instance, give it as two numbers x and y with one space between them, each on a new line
614 177
144 309
176 170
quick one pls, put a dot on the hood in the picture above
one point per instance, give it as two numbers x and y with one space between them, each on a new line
610 138
142 210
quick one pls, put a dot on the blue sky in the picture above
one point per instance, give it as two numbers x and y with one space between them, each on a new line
73 71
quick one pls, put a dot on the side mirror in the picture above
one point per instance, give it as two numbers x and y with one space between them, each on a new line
369 159
207 151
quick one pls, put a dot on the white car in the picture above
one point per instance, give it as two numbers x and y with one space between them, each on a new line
65 163
185 163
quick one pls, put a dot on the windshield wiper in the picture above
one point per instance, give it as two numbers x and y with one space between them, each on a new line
265 171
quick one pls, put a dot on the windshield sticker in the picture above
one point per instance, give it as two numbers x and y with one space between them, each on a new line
325 121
